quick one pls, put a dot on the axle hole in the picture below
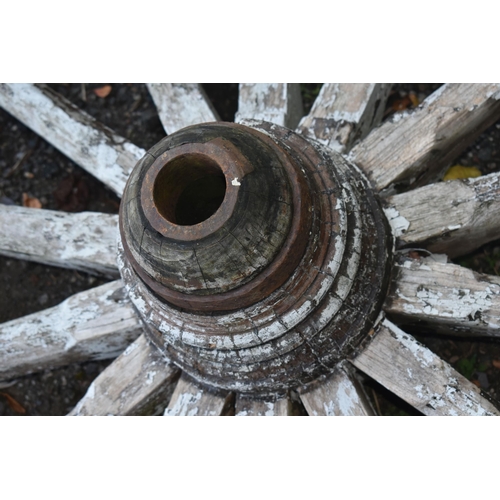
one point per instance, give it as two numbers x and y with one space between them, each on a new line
189 189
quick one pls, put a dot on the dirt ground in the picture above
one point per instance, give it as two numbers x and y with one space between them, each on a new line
31 167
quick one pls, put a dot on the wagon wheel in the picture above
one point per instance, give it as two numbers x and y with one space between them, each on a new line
188 357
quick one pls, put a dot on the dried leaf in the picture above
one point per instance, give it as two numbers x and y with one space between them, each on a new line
461 172
30 202
17 407
103 91
414 99
401 104
496 363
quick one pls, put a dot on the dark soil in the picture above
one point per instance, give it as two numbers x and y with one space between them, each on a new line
30 165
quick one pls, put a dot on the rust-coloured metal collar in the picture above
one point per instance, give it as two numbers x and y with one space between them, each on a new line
244 246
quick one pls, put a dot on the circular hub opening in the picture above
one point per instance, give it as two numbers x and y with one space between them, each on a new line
189 189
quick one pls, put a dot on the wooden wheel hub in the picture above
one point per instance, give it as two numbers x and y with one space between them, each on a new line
256 259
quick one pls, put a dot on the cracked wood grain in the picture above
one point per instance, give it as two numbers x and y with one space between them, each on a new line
415 146
181 104
279 103
90 144
339 394
84 241
415 374
344 113
453 217
95 324
139 382
445 298
191 400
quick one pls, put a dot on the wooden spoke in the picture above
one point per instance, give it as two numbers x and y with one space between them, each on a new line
85 241
415 374
95 324
417 145
91 145
344 113
139 382
453 217
247 407
181 104
189 399
340 394
446 297
279 103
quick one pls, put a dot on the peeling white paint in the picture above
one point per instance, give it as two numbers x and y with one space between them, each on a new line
98 150
397 222
85 241
150 377
87 325
180 105
347 398
420 377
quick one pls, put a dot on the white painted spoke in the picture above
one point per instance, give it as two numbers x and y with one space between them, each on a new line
280 103
416 145
85 241
415 374
340 394
189 399
93 146
95 324
446 297
138 382
344 113
454 217
181 104
247 407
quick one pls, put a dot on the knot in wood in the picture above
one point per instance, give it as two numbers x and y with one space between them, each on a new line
256 259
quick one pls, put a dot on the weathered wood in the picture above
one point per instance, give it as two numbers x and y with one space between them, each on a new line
181 104
249 407
190 400
139 382
445 297
95 324
279 103
344 113
415 374
314 295
85 241
414 146
453 217
340 394
90 144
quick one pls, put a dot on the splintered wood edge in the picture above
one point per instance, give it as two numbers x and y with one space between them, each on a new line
190 399
84 241
96 324
415 374
445 297
139 382
181 104
339 394
415 146
344 113
454 217
249 407
91 145
279 103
